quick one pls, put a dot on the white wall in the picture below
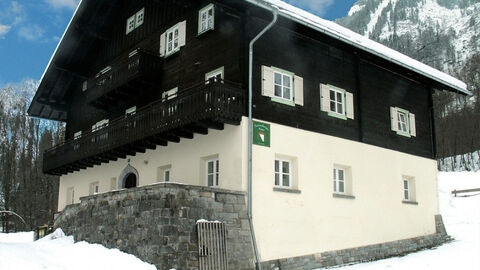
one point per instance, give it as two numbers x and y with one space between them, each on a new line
314 221
185 158
289 224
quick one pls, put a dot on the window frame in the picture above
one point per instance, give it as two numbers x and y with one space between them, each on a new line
206 10
335 113
166 171
283 74
405 113
406 189
214 73
336 180
215 173
174 49
281 173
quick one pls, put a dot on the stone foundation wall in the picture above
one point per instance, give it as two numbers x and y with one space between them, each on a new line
157 223
362 254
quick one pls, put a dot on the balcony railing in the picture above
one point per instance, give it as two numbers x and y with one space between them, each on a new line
138 65
215 102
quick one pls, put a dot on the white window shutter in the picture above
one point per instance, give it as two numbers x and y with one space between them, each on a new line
162 44
182 33
350 109
413 129
130 24
139 17
267 81
324 98
394 118
298 87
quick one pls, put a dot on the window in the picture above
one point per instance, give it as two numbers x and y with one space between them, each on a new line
166 175
282 173
77 135
135 21
403 122
336 102
339 180
409 190
170 94
212 172
206 19
172 40
94 188
70 195
282 86
131 111
215 74
342 182
406 189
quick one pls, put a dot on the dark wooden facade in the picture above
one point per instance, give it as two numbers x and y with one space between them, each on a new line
376 83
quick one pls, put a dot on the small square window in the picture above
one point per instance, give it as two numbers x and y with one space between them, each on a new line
130 24
139 17
282 173
206 19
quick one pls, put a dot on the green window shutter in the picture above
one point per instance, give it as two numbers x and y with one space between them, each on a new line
394 118
413 130
267 81
298 87
182 33
349 105
324 98
162 44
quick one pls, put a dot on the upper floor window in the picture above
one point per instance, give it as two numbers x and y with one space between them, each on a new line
173 39
216 75
282 86
206 19
94 188
336 101
403 122
135 21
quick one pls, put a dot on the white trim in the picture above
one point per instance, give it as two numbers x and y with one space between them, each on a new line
139 17
131 111
406 189
172 93
298 89
283 85
337 180
214 73
77 135
267 81
166 175
130 24
174 40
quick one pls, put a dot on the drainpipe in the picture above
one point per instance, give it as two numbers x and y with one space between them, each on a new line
250 129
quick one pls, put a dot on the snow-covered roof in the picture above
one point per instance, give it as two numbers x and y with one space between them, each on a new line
341 33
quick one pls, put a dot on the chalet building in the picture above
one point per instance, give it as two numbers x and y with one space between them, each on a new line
157 91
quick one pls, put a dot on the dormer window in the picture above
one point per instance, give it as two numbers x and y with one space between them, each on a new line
206 19
135 21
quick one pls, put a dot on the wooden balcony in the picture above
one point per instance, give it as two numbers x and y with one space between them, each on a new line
123 77
195 110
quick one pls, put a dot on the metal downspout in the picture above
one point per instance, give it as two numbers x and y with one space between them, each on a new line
250 131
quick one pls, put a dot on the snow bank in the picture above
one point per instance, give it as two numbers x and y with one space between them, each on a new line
59 252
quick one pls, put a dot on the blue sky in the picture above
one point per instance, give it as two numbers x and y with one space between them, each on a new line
30 31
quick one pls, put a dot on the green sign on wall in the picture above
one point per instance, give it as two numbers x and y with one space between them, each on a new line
261 134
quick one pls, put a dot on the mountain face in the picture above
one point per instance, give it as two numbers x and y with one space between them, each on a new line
444 34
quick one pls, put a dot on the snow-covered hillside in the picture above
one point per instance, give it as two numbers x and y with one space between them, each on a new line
441 33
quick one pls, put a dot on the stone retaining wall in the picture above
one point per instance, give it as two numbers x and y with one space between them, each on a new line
362 254
157 223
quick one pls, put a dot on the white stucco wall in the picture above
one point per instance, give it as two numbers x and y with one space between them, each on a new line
185 159
290 224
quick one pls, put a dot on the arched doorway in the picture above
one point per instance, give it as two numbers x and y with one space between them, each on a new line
128 178
130 181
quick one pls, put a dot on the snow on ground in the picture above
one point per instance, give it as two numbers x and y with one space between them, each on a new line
462 221
58 252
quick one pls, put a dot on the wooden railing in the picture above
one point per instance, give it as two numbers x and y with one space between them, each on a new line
123 70
214 100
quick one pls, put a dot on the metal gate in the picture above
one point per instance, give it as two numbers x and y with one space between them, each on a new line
212 245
